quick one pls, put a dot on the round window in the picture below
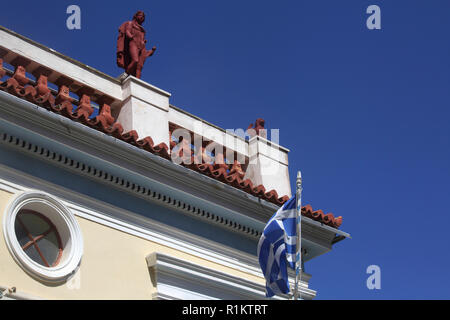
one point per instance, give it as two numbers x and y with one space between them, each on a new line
43 236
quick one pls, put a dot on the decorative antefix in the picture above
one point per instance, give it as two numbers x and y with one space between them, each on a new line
131 51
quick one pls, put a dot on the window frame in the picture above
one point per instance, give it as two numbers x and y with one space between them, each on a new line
64 223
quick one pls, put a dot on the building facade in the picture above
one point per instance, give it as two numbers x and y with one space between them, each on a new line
97 202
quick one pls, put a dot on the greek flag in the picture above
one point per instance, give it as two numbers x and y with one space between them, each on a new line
277 248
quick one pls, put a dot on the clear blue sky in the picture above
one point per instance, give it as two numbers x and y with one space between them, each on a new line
364 113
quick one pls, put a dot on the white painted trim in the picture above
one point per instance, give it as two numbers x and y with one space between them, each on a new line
60 64
65 224
179 279
200 280
169 292
126 79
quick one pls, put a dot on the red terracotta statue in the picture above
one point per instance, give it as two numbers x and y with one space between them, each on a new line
131 51
257 128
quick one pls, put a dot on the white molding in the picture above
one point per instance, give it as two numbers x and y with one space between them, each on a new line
65 224
179 279
39 55
173 292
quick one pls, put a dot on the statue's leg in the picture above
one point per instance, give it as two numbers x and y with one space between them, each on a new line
134 54
138 72
140 65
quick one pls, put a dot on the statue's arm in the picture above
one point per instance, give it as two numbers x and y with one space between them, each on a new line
128 32
151 52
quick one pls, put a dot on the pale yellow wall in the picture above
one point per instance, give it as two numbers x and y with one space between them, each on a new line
113 265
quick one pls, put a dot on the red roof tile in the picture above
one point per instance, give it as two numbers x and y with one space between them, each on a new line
62 104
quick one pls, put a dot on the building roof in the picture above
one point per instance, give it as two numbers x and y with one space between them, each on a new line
18 84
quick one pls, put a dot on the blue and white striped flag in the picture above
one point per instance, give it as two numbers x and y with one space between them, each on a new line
277 248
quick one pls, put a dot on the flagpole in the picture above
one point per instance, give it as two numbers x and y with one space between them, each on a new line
298 256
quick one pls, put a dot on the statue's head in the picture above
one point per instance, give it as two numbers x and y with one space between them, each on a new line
260 122
139 17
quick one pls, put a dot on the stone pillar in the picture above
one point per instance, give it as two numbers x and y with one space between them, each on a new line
145 109
268 165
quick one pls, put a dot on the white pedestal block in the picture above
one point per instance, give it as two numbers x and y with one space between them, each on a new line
268 165
145 109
